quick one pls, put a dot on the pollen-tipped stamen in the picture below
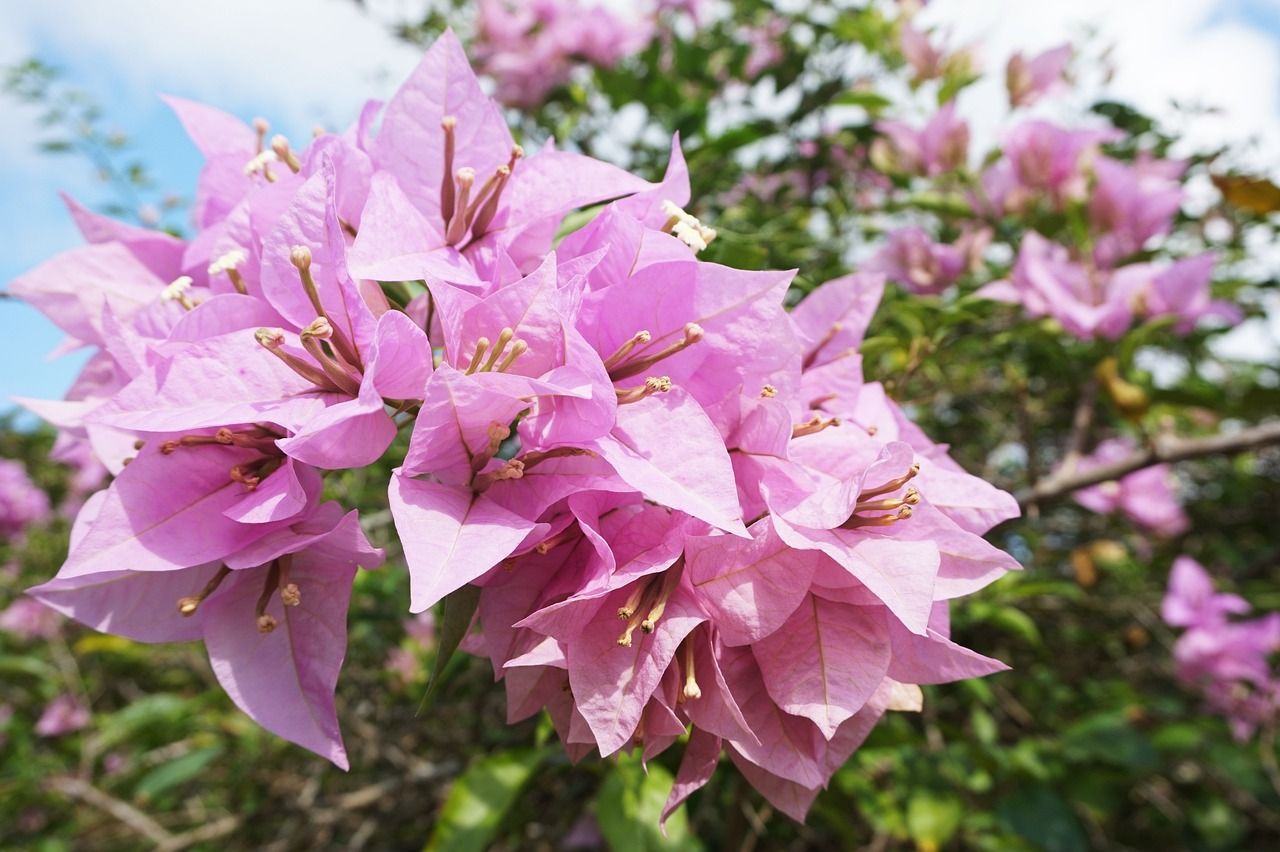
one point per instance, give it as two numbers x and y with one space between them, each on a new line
670 579
280 145
632 604
768 392
510 469
272 340
911 498
188 605
813 425
692 334
290 594
892 485
640 338
448 124
267 623
857 521
652 385
312 340
229 263
176 291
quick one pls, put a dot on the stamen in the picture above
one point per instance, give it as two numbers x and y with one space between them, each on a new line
290 594
670 579
857 521
633 621
652 385
511 469
300 257
691 691
814 425
188 606
567 534
891 485
482 346
504 337
260 164
539 456
466 176
272 340
692 334
260 127
640 338
686 228
229 264
768 392
176 291
168 448
311 336
484 215
826 338
911 498
632 604
448 123
518 348
280 147
267 623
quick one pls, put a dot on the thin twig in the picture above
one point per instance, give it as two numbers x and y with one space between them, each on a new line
123 811
1161 451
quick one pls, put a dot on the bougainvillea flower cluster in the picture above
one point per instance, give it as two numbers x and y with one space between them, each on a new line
1230 662
688 514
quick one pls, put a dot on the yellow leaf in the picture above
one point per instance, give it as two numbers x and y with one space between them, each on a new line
1256 195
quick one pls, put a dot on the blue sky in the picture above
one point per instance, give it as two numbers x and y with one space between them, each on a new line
278 60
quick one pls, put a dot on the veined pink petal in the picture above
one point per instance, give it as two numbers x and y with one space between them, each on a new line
451 536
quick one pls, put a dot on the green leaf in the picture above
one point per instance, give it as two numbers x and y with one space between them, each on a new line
872 102
629 806
480 798
1043 817
175 772
1109 738
455 617
150 711
932 818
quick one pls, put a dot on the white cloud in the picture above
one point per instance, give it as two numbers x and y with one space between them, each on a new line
300 61
1163 52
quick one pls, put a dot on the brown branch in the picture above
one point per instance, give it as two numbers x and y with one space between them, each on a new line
1161 451
129 815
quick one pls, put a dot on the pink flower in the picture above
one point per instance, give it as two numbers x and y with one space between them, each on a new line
64 715
21 502
1042 162
1146 497
531 48
272 614
1028 80
1089 302
918 263
942 145
1229 662
1131 204
28 619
